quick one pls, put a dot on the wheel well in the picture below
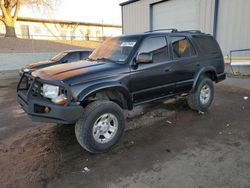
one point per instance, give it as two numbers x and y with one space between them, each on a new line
211 75
111 94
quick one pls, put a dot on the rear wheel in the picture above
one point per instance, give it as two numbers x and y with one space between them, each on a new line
202 97
101 126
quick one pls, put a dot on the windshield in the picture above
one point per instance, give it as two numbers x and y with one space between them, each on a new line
115 49
59 56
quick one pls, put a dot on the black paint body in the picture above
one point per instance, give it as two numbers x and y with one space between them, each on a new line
138 83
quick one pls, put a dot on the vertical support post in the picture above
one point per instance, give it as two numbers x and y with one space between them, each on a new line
216 11
150 17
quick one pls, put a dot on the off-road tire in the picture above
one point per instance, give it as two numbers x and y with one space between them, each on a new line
84 126
193 98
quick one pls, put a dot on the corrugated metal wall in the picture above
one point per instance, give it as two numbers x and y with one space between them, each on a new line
234 25
136 16
233 20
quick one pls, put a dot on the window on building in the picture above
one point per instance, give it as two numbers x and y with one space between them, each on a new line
157 46
63 33
181 47
25 31
98 33
37 30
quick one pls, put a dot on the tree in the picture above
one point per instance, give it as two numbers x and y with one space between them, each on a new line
10 9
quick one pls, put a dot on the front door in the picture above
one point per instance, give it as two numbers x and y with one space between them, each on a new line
152 80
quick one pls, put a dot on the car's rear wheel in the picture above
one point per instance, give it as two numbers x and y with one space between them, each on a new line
101 127
202 97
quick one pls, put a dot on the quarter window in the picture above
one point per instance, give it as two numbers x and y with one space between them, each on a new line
181 47
157 46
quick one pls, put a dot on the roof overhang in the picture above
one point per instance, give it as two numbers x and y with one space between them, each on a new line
128 2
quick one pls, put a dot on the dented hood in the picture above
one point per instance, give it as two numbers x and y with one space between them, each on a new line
81 70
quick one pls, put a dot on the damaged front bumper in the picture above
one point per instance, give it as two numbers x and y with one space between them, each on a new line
42 109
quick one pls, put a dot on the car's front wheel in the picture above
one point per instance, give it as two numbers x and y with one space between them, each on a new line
202 97
101 127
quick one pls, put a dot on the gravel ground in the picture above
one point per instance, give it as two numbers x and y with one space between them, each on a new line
165 145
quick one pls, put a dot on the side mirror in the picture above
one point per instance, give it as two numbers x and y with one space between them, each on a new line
144 58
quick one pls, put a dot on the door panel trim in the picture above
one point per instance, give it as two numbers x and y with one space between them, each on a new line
152 88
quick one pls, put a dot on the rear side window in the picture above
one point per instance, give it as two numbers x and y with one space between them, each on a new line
181 47
207 44
157 46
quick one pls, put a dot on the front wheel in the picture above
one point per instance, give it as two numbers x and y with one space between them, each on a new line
202 97
101 127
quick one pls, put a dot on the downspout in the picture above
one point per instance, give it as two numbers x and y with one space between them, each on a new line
122 19
216 11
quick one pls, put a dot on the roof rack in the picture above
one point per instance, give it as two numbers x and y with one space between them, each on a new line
193 31
172 30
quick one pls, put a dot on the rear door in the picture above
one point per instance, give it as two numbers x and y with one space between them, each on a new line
185 61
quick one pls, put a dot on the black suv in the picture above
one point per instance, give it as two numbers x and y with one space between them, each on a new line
123 72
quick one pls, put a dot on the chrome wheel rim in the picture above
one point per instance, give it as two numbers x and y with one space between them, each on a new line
105 128
205 94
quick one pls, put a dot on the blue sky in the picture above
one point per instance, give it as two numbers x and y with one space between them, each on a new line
96 11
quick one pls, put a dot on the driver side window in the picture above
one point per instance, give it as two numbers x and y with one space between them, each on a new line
157 46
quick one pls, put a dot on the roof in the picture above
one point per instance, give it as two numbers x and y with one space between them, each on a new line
128 2
167 31
78 50
39 20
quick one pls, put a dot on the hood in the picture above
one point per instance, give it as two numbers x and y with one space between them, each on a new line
39 64
76 72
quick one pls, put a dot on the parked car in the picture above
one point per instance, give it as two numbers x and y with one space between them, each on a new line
123 72
68 56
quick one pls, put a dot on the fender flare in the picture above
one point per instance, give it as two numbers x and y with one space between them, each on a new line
108 85
200 73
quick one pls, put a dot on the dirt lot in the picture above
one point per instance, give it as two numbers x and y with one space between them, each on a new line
165 145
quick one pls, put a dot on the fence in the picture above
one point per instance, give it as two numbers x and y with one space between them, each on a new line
46 33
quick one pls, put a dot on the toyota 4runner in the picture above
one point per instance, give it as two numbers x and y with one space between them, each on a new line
123 72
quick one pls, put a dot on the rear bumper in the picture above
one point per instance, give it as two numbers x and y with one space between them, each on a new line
221 77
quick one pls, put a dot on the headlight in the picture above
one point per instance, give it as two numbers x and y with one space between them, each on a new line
26 70
50 91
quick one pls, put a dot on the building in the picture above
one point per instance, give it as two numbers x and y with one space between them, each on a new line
33 28
227 20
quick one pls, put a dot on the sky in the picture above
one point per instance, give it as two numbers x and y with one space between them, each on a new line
96 11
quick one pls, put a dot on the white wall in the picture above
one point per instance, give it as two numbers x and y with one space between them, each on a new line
233 21
234 25
14 61
136 16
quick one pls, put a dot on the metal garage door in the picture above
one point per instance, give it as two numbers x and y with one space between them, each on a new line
234 25
180 14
